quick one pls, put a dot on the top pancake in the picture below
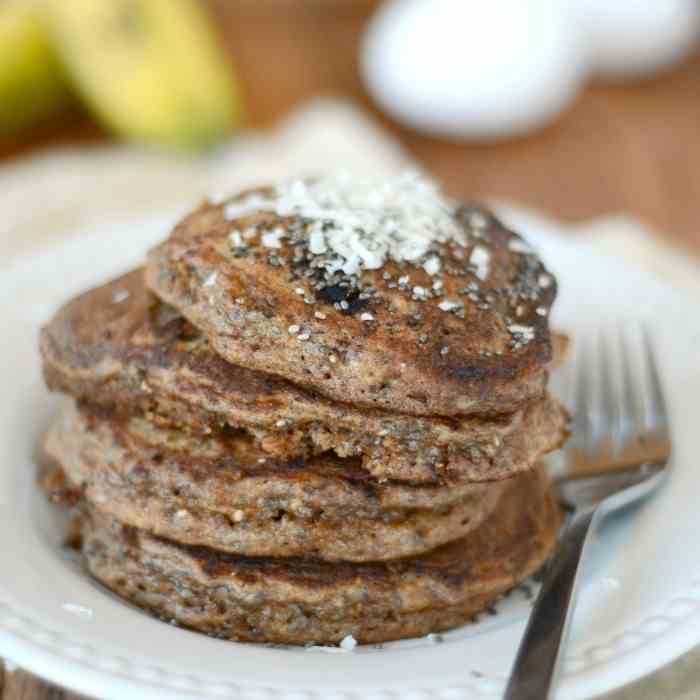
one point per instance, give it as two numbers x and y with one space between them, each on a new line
449 320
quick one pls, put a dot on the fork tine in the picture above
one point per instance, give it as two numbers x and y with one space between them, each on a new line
609 411
631 422
582 429
657 416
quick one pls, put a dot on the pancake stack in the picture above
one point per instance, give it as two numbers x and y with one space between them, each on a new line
314 415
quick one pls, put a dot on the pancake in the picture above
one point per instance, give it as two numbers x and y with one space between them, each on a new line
222 492
300 601
379 294
120 346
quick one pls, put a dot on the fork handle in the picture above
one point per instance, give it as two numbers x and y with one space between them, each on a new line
535 665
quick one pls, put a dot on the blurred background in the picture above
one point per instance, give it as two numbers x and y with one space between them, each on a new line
577 108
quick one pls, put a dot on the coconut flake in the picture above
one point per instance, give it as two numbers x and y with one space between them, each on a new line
317 241
518 245
478 221
272 239
481 259
432 265
527 333
358 224
450 305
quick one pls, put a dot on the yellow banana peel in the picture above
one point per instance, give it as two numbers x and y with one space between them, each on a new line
32 85
151 70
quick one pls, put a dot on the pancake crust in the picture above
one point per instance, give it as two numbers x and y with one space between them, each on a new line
119 345
224 493
297 601
392 345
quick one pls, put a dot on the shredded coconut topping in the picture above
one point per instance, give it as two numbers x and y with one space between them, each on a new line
481 259
359 224
334 228
420 293
272 239
450 305
478 221
526 333
432 266
236 240
518 245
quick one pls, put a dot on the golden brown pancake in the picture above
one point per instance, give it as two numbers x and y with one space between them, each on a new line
299 601
460 330
120 346
222 492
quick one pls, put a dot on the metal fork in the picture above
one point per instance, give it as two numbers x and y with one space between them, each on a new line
618 452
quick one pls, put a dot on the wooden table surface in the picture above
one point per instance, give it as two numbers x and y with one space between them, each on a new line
631 147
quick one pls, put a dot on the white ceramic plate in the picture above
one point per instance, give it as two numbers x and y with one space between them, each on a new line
639 608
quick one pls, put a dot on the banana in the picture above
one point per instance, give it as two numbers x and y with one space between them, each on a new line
151 70
31 81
